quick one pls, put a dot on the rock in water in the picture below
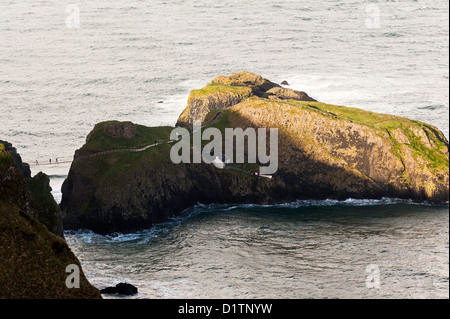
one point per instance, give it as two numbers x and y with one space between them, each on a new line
284 83
121 289
325 152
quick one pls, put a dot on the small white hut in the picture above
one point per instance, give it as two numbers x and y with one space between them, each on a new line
218 163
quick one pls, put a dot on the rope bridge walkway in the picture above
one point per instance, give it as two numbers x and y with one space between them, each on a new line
67 160
51 163
57 161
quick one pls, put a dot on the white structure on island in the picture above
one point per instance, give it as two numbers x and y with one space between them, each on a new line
218 163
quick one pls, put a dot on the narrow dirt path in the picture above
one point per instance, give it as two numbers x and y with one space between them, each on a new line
142 149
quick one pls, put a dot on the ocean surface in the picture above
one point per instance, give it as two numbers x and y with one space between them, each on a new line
57 81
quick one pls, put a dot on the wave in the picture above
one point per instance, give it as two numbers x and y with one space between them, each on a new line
89 237
431 107
392 35
144 236
141 237
320 203
52 176
426 8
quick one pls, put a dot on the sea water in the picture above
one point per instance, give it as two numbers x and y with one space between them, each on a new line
58 80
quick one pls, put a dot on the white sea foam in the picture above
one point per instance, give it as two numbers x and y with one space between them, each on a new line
307 203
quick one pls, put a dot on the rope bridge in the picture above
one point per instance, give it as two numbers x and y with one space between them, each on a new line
51 162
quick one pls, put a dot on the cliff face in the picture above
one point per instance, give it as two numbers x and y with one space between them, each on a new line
211 97
33 260
358 150
325 151
33 193
226 91
24 167
45 209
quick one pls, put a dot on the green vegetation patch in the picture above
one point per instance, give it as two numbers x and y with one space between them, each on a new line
99 141
115 168
436 157
215 88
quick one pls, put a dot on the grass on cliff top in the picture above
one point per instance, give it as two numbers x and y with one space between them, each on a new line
7 187
100 141
368 118
388 123
115 168
211 90
215 88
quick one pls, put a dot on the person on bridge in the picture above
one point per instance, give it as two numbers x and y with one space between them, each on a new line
56 160
37 162
50 161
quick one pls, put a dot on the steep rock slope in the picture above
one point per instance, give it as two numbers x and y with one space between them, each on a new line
33 260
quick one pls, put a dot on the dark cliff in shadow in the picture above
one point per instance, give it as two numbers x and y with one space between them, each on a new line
33 254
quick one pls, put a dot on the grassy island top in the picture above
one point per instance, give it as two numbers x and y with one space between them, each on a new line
215 88
99 141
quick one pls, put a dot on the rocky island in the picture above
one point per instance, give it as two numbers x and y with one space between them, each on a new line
123 180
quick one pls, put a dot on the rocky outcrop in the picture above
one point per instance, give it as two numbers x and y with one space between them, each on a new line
286 94
325 151
360 156
33 193
33 261
255 82
226 91
210 98
23 167
121 130
122 288
45 209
